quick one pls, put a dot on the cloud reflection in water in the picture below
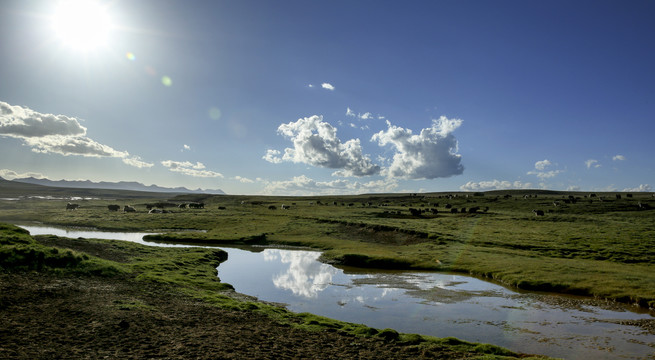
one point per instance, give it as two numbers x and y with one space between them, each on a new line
305 276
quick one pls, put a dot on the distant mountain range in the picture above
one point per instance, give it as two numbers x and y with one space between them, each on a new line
121 185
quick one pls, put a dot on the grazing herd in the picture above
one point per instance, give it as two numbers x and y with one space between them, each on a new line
426 208
152 208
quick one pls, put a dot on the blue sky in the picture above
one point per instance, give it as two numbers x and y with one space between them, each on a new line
331 97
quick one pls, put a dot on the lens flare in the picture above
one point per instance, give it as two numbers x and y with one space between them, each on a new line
130 56
166 80
215 113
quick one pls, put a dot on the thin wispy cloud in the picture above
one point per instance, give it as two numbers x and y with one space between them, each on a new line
495 185
592 163
315 143
303 185
430 154
8 174
618 158
640 188
364 116
243 180
190 169
56 134
137 162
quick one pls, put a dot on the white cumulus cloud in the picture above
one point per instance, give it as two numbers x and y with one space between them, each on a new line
366 116
19 122
272 156
55 134
327 86
315 142
542 165
618 158
431 154
190 169
541 172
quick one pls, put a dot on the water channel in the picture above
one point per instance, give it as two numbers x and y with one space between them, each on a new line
427 303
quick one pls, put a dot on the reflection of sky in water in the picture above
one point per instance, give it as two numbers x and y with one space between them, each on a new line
305 276
136 237
90 234
434 304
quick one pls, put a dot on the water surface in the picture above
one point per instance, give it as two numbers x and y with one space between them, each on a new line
136 237
438 304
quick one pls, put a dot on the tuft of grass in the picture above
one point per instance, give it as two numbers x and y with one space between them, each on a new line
20 252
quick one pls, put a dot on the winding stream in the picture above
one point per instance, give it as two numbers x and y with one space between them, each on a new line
427 303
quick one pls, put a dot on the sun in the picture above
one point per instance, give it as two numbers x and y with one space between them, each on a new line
83 25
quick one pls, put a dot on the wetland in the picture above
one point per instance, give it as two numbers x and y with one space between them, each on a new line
596 254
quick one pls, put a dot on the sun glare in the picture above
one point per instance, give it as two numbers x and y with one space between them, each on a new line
82 25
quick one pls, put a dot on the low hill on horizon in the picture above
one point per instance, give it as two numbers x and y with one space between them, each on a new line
121 185
14 190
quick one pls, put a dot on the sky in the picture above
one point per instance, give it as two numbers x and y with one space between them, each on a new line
330 97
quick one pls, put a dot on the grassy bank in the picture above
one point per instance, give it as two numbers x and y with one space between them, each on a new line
189 272
600 245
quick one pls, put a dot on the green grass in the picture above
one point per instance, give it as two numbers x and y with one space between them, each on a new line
19 251
591 247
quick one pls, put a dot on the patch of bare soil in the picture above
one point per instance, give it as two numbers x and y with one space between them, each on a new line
44 316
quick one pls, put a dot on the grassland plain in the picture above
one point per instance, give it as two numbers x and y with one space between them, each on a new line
91 298
586 244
